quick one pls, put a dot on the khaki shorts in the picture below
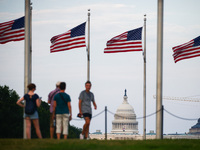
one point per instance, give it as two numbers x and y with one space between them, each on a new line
62 121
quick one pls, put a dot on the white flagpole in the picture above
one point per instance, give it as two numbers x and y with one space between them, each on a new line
27 52
159 118
144 92
88 48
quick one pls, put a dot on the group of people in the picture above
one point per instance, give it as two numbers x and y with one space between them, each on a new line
60 110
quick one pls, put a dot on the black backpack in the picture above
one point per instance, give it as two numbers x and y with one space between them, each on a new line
29 108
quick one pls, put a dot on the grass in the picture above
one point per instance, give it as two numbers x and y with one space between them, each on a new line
71 144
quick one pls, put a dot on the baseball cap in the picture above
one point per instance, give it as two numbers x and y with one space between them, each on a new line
58 83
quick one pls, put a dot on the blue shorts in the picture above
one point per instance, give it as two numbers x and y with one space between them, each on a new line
33 116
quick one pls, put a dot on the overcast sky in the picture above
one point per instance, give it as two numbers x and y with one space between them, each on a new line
111 74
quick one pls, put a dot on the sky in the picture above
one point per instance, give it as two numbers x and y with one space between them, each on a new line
110 74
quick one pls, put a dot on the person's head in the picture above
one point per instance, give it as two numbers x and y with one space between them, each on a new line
31 87
62 86
88 85
58 84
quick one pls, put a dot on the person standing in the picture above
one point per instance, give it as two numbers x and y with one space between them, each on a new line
85 110
62 110
51 101
31 114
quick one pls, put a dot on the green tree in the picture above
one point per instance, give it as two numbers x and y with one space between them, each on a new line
11 115
74 132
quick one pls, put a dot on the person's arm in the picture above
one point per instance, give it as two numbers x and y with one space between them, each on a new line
80 101
49 100
38 102
19 102
54 108
70 110
95 105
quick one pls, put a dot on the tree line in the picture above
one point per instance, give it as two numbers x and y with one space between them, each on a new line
11 117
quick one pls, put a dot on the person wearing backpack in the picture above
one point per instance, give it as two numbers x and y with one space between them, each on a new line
62 110
31 114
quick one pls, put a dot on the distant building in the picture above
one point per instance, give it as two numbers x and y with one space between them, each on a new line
125 119
97 132
196 128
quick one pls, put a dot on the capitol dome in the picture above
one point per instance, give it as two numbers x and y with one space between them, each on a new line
125 119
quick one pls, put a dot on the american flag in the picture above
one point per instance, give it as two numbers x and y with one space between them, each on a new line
125 42
73 38
187 50
12 31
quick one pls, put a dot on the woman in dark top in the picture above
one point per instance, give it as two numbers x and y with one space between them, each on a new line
32 102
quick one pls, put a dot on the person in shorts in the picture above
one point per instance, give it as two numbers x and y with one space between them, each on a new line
85 109
31 117
51 101
62 110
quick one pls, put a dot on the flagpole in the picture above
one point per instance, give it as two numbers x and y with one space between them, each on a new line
144 92
159 118
27 52
88 48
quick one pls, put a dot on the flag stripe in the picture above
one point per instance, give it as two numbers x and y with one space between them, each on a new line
117 51
123 47
8 34
68 45
125 42
187 54
187 50
68 41
74 38
192 52
186 57
183 46
66 48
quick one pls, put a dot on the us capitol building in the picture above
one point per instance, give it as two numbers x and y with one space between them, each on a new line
124 125
125 119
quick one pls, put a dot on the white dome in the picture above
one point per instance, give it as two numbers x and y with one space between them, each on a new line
125 107
125 119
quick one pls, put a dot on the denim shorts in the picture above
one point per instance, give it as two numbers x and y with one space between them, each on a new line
33 116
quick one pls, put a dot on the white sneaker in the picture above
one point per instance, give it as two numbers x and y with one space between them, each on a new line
88 138
81 136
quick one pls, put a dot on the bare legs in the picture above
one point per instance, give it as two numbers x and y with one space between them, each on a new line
58 136
86 127
37 128
51 132
36 125
28 128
